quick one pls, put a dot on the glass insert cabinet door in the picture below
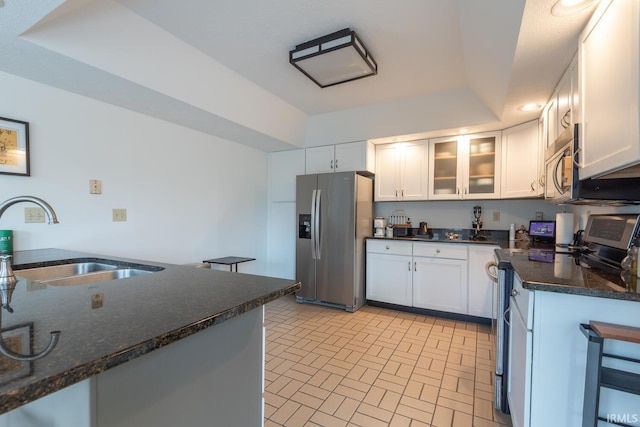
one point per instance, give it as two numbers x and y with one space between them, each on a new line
465 167
445 168
482 165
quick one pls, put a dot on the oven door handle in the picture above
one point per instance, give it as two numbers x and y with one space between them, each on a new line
488 267
555 174
504 316
575 157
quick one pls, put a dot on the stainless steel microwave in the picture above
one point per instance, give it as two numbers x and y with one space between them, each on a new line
563 184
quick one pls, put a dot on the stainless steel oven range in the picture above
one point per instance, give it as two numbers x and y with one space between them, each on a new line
601 248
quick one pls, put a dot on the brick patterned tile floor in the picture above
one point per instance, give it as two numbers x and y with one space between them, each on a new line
376 367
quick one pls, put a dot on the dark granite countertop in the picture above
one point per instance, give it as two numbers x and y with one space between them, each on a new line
106 324
544 270
438 235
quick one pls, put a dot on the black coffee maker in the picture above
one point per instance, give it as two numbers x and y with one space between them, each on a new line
477 222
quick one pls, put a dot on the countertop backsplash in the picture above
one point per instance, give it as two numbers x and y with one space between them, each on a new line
459 214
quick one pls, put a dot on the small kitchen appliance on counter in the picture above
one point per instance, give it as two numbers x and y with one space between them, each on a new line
423 229
379 225
477 222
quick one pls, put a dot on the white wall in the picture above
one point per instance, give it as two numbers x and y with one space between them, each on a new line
188 195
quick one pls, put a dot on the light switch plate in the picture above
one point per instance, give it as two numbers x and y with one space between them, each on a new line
95 186
119 215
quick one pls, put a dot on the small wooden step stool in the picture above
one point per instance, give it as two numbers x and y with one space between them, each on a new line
599 376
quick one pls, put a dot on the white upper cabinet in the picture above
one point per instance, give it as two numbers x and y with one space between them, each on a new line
284 166
401 171
561 110
320 159
466 167
609 89
354 156
520 161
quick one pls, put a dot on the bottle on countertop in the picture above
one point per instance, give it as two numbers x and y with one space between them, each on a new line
630 262
633 255
512 232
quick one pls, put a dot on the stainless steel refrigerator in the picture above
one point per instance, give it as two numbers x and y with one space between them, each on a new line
334 212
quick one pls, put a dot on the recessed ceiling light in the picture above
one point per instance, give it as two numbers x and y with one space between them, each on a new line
530 107
568 7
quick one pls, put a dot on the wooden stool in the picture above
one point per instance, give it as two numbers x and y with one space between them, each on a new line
599 376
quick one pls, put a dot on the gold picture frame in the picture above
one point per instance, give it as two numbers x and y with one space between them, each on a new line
14 147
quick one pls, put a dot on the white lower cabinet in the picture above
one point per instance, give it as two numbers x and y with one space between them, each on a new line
481 286
520 354
440 279
389 272
448 277
548 356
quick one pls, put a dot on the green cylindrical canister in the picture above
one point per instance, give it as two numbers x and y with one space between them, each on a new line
6 242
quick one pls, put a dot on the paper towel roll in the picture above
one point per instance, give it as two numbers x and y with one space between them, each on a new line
564 228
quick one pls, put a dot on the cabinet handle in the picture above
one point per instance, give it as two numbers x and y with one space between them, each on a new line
402 192
387 247
533 181
515 293
437 251
336 163
409 266
465 190
458 189
331 164
415 268
396 193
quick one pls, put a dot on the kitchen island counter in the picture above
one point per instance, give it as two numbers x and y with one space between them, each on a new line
106 324
557 272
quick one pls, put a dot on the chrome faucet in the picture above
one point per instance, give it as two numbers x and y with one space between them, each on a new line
44 205
8 282
7 278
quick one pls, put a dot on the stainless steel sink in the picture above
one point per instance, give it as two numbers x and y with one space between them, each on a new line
96 277
84 273
64 270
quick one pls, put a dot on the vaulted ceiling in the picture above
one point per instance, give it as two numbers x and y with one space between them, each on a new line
221 66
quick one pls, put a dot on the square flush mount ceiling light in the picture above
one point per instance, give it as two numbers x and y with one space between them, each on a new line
333 59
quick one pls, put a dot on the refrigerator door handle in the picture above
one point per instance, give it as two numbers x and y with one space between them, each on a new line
313 224
317 225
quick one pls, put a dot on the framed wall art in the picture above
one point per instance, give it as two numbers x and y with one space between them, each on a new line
14 147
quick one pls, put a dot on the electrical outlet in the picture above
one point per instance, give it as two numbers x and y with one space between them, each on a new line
32 215
538 216
95 186
119 215
496 216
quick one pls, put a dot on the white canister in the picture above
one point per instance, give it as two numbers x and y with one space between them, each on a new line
389 231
